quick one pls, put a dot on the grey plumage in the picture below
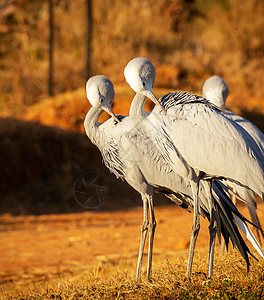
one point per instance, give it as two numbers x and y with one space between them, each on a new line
144 169
199 135
216 90
177 98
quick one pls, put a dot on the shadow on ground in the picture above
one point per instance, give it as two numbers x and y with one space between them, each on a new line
41 167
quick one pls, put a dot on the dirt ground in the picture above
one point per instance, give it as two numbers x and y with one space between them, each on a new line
42 248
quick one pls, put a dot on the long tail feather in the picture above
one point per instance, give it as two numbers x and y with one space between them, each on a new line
230 230
247 197
220 192
230 217
248 234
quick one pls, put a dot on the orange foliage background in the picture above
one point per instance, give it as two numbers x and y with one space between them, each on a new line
187 41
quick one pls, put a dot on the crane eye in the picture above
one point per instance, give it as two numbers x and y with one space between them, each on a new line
143 83
102 100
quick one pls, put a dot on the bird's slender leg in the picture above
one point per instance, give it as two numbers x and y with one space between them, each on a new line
223 246
152 226
195 227
212 226
144 230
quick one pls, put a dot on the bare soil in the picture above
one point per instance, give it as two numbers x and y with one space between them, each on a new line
48 247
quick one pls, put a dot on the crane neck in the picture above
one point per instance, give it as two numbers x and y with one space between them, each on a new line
91 124
137 111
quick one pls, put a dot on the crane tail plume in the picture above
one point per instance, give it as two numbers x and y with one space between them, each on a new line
228 219
248 234
230 231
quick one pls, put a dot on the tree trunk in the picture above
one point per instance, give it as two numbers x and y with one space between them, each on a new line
89 18
50 71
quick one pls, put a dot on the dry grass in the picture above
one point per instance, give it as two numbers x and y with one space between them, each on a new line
192 39
93 256
115 280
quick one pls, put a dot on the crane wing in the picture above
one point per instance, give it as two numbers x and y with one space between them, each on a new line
208 141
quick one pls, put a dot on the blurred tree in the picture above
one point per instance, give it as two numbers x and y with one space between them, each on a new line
7 8
89 17
50 71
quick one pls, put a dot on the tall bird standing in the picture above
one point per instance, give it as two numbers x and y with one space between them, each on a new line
216 90
198 142
135 159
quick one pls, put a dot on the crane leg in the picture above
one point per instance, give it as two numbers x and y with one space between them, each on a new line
144 230
212 227
152 226
195 228
212 230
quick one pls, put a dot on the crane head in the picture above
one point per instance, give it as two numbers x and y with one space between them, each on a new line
216 90
101 94
140 75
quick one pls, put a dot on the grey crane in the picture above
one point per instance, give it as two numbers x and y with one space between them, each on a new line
134 158
198 141
216 90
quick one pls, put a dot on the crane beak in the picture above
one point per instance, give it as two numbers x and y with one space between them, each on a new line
109 110
152 97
